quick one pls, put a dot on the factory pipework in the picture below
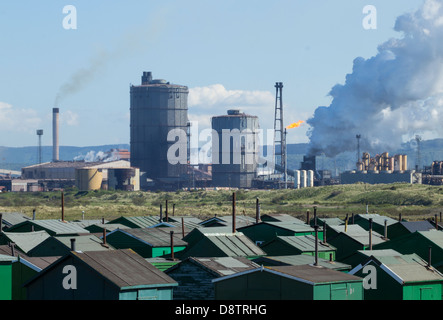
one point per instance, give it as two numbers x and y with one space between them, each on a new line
55 128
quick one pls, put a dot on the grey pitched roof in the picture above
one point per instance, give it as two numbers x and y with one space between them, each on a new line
85 243
152 236
376 218
26 241
57 227
301 259
404 268
413 226
234 244
303 243
125 268
221 266
12 218
304 273
359 234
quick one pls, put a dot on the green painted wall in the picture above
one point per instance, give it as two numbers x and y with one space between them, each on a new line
423 291
119 240
5 281
160 251
20 274
345 246
268 286
281 248
147 294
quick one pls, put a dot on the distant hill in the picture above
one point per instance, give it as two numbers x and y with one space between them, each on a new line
430 150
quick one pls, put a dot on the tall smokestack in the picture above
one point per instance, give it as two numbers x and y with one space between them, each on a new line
55 145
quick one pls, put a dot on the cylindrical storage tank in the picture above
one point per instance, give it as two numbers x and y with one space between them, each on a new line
87 179
359 166
235 149
404 162
366 161
391 164
398 162
297 178
303 179
310 178
159 109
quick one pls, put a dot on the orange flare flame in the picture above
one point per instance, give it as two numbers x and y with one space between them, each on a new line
295 125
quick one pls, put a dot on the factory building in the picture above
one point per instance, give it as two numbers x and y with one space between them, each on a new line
156 108
84 175
382 169
433 174
235 149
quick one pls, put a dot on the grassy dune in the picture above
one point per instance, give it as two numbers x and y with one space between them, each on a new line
412 201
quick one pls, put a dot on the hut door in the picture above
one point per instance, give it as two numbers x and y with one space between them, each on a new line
339 291
426 294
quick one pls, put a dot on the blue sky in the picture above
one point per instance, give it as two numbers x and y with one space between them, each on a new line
229 54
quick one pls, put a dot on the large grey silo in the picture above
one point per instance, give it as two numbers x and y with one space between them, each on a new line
157 107
235 158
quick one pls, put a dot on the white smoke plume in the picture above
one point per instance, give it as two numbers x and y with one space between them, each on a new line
100 156
390 97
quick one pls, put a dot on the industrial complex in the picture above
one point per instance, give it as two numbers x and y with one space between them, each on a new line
160 130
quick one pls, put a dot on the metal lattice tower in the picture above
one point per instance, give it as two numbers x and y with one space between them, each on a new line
279 134
418 161
358 136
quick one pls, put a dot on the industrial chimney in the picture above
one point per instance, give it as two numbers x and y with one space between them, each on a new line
55 145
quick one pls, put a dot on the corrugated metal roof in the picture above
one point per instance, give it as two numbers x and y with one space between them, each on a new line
413 226
304 243
85 243
107 226
153 236
125 268
407 268
294 227
315 274
380 253
330 221
5 258
26 241
433 235
38 262
281 217
302 259
13 218
235 244
86 223
359 234
305 273
59 227
376 218
140 222
223 266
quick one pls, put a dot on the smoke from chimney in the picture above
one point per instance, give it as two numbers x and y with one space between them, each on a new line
391 96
